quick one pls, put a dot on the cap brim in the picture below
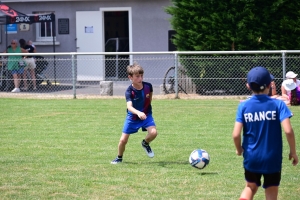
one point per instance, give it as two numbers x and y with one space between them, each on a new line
289 86
294 76
291 75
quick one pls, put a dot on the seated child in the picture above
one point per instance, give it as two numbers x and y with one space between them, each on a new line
272 92
293 92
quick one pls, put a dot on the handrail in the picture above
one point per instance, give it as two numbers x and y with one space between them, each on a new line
156 53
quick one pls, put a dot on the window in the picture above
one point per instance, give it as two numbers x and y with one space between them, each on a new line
172 34
44 31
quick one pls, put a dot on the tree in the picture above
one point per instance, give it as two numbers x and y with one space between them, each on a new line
235 24
238 25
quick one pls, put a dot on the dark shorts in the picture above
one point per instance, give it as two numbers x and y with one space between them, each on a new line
132 126
269 179
17 71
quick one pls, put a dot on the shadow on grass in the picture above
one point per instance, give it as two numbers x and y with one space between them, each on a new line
207 173
165 164
159 163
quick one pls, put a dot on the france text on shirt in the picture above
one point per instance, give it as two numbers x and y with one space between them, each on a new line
260 116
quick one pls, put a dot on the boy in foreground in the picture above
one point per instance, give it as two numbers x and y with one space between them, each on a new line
139 112
261 118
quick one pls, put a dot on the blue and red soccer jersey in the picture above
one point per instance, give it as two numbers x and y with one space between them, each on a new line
141 100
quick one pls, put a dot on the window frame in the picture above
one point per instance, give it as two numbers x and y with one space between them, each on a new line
38 36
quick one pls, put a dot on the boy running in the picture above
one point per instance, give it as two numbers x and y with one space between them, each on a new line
139 112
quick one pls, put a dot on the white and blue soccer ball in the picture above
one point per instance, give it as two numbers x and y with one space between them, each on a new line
199 158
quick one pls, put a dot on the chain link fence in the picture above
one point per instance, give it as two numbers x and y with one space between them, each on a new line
189 73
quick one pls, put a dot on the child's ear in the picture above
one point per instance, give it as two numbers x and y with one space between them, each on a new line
248 86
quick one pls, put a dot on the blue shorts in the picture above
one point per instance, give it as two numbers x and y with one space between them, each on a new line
133 126
17 71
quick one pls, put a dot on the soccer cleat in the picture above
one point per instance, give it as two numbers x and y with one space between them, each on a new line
116 161
16 90
148 150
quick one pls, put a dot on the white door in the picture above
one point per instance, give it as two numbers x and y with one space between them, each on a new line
89 37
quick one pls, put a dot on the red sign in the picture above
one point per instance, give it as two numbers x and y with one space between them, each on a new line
7 10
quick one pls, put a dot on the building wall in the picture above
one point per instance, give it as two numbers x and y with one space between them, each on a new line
150 23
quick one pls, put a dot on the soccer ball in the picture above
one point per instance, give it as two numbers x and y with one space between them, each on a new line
199 158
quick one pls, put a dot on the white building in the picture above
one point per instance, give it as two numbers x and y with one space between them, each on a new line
86 25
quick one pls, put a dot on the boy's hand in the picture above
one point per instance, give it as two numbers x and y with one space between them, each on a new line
239 151
142 115
295 159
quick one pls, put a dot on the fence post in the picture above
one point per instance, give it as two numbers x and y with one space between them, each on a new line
176 75
283 64
74 76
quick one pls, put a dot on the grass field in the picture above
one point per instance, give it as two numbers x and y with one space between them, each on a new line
62 149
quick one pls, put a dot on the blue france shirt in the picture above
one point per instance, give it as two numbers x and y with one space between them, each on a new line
261 117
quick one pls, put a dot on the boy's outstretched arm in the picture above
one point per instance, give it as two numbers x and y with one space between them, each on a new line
236 135
140 114
290 136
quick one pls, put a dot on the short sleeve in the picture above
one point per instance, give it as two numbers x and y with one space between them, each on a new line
239 113
148 87
128 94
151 88
284 111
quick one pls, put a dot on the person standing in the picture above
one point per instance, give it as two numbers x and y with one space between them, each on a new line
139 112
261 118
29 42
15 64
30 65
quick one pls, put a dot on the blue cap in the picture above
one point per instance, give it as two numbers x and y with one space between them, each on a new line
272 77
260 76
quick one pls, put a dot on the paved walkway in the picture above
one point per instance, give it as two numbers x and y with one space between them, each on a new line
119 89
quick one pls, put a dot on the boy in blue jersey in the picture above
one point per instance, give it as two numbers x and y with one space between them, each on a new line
139 112
261 118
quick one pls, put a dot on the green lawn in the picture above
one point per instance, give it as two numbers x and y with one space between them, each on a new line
62 149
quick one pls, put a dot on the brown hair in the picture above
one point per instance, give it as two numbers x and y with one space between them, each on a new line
22 43
256 88
135 68
293 100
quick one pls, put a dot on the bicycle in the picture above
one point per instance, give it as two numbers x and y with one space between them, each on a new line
169 80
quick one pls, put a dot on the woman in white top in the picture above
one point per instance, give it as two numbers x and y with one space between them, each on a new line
285 89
